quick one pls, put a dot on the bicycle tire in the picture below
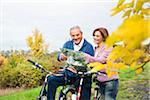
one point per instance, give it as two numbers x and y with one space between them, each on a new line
64 94
97 94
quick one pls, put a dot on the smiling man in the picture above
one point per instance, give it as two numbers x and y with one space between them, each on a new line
78 43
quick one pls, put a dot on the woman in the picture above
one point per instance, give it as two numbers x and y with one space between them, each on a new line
108 85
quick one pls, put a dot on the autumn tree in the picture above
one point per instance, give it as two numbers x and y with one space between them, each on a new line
36 44
2 59
130 35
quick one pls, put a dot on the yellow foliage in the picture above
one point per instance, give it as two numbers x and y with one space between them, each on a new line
127 13
36 44
139 70
132 32
138 5
1 60
131 7
134 65
120 2
120 66
96 66
111 68
111 73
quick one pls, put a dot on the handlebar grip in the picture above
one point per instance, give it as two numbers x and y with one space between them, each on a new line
31 62
38 66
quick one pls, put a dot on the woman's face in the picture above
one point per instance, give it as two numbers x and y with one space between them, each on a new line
97 38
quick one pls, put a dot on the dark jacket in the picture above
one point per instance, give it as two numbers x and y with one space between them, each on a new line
86 48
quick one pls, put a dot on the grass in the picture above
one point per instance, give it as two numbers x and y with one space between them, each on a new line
9 90
22 95
28 94
133 88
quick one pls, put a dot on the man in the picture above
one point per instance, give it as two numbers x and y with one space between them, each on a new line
78 43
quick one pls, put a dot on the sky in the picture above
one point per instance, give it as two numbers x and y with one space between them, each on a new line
53 18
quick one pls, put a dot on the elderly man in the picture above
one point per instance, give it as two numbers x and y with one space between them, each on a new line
78 43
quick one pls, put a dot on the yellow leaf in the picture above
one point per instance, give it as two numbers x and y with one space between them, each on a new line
138 6
111 73
139 70
93 64
133 65
120 2
127 13
145 11
97 66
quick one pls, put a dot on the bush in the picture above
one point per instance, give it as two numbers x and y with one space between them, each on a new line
17 72
2 59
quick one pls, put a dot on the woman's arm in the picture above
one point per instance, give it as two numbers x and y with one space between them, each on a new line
101 58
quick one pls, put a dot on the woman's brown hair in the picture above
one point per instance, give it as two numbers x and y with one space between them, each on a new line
103 31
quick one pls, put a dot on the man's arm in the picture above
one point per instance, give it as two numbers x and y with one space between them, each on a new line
61 56
90 50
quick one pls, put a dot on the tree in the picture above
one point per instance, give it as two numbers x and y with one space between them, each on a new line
2 59
36 44
132 32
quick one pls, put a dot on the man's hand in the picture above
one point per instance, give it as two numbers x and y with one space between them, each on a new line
63 57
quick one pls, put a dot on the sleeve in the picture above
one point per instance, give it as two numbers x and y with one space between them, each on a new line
90 50
59 56
102 58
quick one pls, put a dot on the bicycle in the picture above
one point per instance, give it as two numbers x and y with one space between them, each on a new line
97 94
43 92
75 95
75 91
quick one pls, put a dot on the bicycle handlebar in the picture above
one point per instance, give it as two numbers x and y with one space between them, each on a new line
91 73
38 66
31 61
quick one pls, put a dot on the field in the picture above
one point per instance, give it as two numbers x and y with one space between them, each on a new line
137 88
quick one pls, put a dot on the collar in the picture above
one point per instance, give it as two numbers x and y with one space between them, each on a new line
80 44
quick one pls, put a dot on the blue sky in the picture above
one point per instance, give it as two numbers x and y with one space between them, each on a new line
53 18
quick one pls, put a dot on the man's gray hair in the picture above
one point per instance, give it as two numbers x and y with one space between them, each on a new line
75 27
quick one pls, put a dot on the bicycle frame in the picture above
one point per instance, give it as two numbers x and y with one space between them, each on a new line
75 96
43 92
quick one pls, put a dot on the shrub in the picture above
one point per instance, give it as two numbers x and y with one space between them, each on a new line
17 72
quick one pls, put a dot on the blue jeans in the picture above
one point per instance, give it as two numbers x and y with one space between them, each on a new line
109 89
56 81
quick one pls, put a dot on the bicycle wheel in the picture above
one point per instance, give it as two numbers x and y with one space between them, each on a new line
97 94
42 98
68 93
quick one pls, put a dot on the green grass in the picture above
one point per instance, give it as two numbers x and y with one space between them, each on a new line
29 94
133 88
23 95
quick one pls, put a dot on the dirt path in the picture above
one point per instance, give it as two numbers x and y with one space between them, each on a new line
9 90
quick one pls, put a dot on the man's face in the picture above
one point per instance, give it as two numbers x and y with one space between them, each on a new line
76 35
